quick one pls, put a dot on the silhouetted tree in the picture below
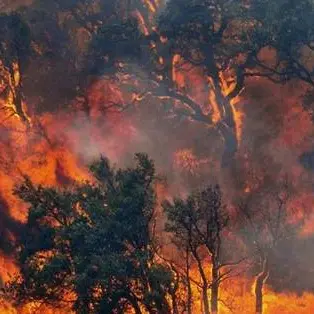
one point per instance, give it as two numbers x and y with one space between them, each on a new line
197 225
94 242
226 40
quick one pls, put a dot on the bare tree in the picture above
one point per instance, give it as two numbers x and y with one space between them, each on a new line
198 223
265 218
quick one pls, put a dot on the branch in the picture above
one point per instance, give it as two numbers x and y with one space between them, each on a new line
303 73
198 114
230 264
179 269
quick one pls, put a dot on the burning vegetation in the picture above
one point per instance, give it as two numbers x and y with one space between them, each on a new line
216 216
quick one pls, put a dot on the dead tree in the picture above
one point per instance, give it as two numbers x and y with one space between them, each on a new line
265 221
199 222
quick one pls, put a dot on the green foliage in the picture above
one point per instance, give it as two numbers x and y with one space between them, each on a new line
95 241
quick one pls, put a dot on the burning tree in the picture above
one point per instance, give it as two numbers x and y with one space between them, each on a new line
198 224
92 245
216 45
209 46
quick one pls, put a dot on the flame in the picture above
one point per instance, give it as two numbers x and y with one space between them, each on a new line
216 116
52 153
236 297
227 87
177 76
12 84
141 22
151 5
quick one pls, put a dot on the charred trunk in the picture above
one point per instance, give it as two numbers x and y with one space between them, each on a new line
259 284
214 298
231 143
188 283
204 281
205 299
189 297
214 288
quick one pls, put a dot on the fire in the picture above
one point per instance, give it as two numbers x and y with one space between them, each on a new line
236 297
141 22
152 5
238 115
177 77
9 87
54 149
212 98
216 117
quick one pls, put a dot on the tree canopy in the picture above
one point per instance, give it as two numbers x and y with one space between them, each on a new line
94 244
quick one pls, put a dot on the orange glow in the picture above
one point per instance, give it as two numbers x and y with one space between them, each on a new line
177 77
141 22
216 116
238 115
13 83
151 5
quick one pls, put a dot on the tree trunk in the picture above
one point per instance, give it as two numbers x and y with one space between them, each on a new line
205 299
227 124
259 283
214 298
214 288
231 143
204 281
189 300
188 283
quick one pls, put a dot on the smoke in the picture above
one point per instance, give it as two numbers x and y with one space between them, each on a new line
10 5
276 132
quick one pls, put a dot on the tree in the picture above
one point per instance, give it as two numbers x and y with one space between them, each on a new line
92 245
197 225
225 41
59 34
265 223
287 28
